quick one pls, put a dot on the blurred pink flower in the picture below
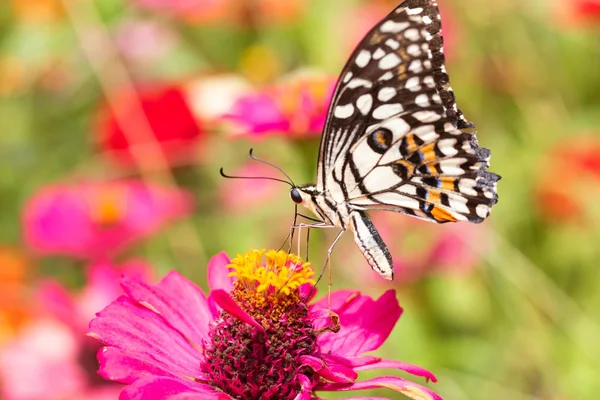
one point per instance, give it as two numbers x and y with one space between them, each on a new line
253 337
420 248
295 107
143 41
241 195
51 359
95 220
157 116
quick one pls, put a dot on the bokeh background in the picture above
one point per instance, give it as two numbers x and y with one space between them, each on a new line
116 115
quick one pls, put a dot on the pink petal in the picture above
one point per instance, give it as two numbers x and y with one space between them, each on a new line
330 369
340 300
180 302
158 388
305 388
365 325
58 302
218 273
407 388
141 334
411 369
364 398
228 304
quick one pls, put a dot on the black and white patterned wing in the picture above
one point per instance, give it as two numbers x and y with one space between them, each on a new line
395 138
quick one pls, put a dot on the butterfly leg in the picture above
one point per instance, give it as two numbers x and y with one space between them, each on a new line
328 265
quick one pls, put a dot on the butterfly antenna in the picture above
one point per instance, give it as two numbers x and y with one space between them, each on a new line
252 156
266 178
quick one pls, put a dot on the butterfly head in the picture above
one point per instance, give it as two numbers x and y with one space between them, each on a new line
303 194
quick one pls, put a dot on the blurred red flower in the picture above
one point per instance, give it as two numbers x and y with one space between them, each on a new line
51 358
95 220
297 107
154 117
571 169
587 10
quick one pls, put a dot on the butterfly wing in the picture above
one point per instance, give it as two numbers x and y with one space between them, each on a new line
394 138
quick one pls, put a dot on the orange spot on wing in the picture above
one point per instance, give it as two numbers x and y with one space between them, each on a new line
428 152
433 196
442 215
447 183
410 140
380 138
434 169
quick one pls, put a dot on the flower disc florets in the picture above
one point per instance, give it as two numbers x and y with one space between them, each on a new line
249 363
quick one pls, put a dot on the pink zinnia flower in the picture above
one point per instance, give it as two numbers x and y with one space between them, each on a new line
254 337
95 220
51 358
295 107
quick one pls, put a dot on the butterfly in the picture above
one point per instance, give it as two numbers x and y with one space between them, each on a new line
395 140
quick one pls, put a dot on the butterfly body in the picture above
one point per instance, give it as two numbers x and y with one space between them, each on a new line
395 140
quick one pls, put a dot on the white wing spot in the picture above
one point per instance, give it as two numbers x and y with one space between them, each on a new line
389 61
343 112
426 20
446 146
347 77
358 82
482 210
412 83
428 81
413 50
459 204
408 189
426 133
414 11
387 76
364 103
363 58
422 100
378 53
467 186
393 27
412 34
416 66
426 116
387 110
386 93
392 44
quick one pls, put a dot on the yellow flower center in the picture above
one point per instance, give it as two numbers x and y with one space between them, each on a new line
280 272
108 206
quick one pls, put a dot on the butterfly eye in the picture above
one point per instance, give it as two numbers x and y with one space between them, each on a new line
296 196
